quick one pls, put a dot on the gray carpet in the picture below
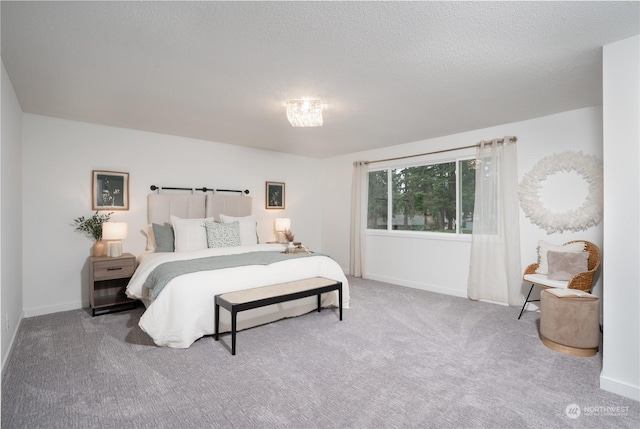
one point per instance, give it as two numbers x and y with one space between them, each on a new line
400 358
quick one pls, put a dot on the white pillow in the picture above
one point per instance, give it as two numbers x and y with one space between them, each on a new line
151 238
248 234
544 247
190 234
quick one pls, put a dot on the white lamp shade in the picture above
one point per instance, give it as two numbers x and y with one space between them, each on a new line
114 230
283 224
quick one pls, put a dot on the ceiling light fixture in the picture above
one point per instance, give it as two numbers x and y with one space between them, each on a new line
304 112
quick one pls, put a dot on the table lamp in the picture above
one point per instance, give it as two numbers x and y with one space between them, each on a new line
114 233
282 224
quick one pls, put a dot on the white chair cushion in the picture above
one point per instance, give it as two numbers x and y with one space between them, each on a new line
543 280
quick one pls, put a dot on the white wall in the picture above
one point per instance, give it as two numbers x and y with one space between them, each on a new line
10 216
441 265
59 156
621 102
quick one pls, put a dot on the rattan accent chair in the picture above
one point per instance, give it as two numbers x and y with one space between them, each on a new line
581 281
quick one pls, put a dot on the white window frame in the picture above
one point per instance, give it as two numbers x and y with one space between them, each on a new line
461 155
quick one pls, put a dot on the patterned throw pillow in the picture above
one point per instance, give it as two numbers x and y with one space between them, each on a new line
248 234
222 234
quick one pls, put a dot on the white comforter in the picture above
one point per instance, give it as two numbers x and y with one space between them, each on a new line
184 310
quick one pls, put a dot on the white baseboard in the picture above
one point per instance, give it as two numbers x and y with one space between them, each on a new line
416 285
39 311
10 349
620 388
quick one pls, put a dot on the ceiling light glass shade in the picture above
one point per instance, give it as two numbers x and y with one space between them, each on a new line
304 113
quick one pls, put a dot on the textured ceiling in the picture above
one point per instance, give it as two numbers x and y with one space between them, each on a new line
388 72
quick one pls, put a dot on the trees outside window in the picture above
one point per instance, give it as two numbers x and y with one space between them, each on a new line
377 202
467 186
431 198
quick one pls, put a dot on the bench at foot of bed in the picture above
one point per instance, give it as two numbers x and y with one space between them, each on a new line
248 299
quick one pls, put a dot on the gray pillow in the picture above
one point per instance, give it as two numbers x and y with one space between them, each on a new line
564 265
222 234
163 235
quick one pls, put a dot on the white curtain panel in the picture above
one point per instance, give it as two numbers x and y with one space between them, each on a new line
359 193
495 270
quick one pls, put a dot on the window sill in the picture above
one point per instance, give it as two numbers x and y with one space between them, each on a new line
419 235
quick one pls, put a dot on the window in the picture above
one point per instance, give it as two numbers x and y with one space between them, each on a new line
435 197
467 187
378 197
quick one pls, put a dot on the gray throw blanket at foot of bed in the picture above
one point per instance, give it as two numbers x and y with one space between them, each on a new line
164 273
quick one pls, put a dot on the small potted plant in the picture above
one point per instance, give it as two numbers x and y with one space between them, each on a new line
289 236
92 228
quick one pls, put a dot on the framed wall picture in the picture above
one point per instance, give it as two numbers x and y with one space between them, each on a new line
110 190
275 195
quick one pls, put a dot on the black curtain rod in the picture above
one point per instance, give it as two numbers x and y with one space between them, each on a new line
203 189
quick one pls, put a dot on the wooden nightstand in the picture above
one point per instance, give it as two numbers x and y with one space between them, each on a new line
108 278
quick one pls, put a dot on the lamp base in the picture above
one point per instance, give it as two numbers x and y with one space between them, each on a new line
114 249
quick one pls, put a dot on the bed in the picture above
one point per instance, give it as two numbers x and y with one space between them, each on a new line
182 310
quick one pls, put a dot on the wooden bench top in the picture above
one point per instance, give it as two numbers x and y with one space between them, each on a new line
266 292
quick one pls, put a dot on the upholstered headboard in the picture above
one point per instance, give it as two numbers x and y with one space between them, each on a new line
162 206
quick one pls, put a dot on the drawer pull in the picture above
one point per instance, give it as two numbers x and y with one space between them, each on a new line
114 268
